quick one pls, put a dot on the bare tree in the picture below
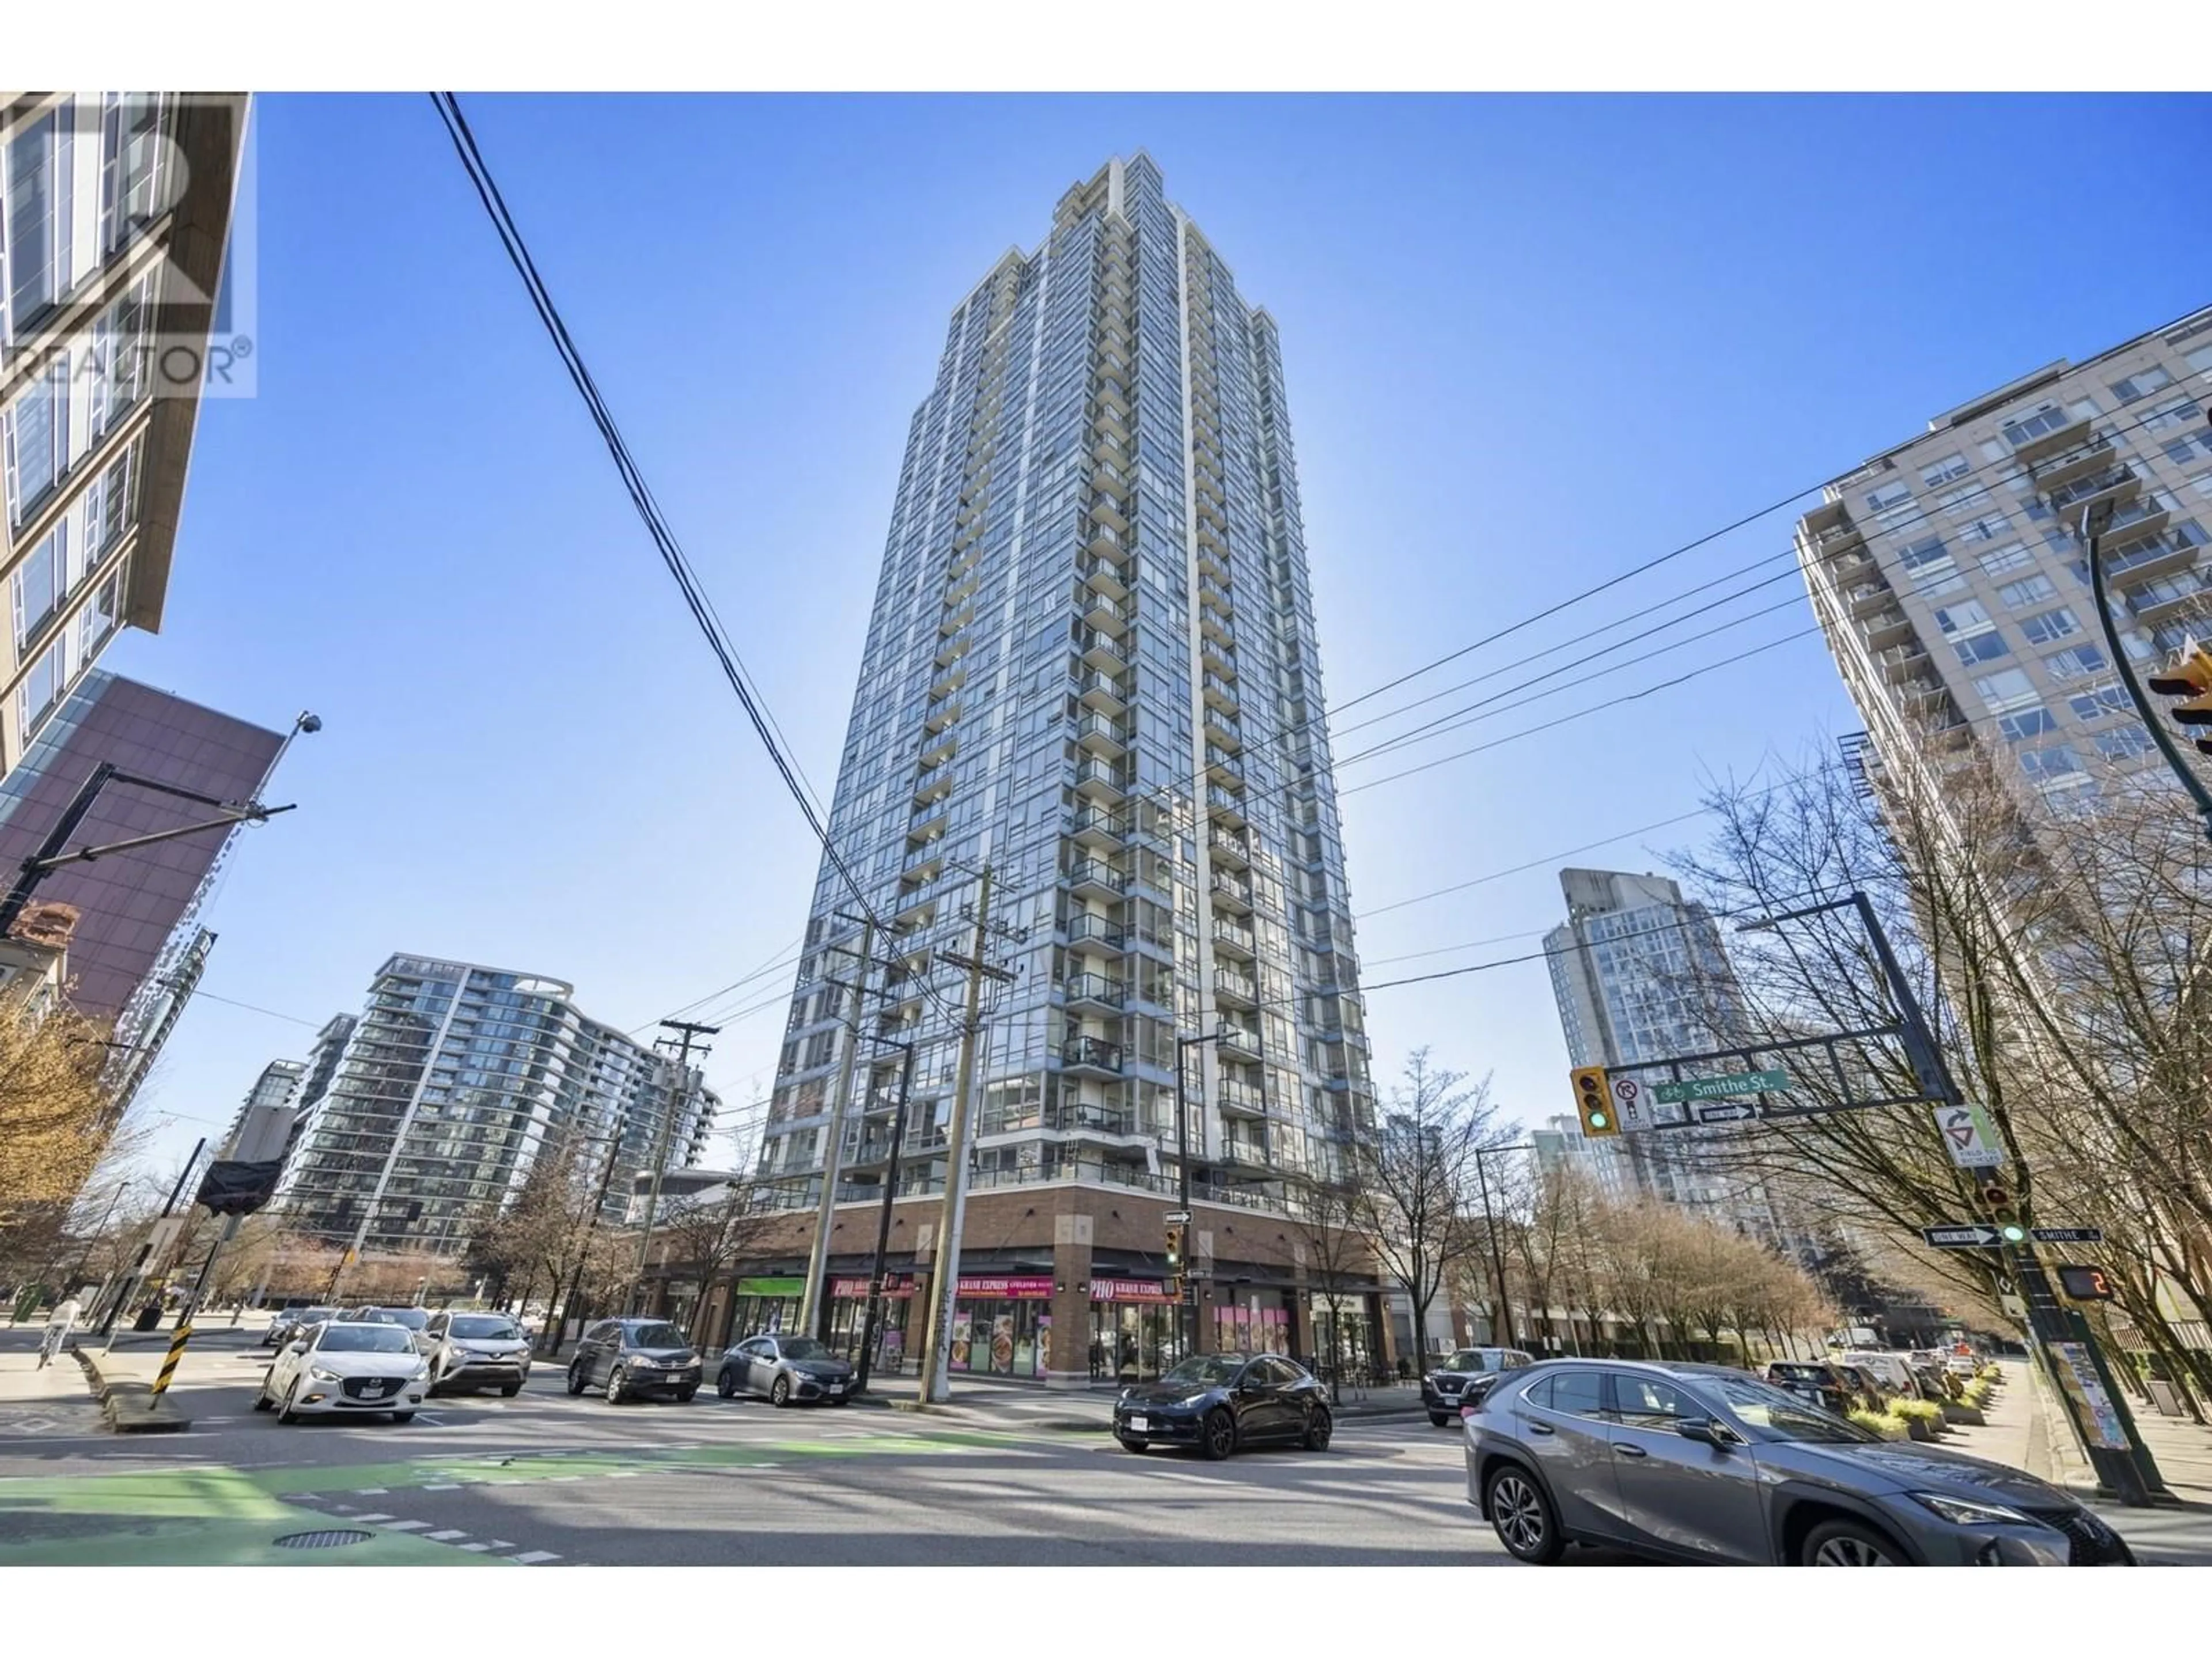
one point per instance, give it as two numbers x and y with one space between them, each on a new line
1337 1254
708 1232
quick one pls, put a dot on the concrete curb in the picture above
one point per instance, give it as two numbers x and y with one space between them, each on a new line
972 1416
127 1405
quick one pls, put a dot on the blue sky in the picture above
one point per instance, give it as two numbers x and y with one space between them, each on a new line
1531 341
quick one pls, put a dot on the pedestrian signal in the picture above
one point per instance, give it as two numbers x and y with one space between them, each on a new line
2085 1284
1594 1100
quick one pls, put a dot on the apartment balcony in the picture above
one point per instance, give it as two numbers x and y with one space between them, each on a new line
1232 850
1092 1057
1095 933
925 865
930 790
947 683
1241 1100
1217 654
1105 510
2163 601
2144 517
943 750
915 909
2094 495
1234 990
1211 593
1103 736
1855 569
1231 895
1094 993
1219 693
1224 768
1110 417
1867 598
1239 1042
1109 481
1231 939
1213 555
2066 437
1095 878
953 649
2159 558
1887 628
1099 831
1105 651
1902 662
1221 729
1226 807
1095 781
1101 694
1107 450
1081 1117
954 618
928 823
1103 614
1104 575
2073 465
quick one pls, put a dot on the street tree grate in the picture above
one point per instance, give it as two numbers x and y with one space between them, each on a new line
332 1539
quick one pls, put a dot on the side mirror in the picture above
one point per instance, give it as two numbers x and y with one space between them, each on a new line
297 1347
1718 1436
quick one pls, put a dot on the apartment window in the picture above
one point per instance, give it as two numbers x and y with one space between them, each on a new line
2073 663
38 178
2143 383
1978 649
1986 528
41 690
2048 417
1951 466
2035 722
2043 764
2031 590
2005 559
1927 561
2098 703
34 437
39 582
1968 617
2050 625
129 167
2199 360
2007 689
1890 502
2180 412
2124 743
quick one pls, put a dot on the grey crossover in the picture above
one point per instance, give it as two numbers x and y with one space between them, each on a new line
1702 1463
785 1369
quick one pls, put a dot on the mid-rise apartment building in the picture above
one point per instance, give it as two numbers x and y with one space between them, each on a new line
1952 582
114 213
1092 666
450 1085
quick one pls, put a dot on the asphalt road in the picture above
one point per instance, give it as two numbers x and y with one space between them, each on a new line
544 1479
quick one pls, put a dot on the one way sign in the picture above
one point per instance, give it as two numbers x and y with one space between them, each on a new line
1970 1236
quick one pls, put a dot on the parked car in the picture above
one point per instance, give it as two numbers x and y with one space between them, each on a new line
1703 1463
475 1351
1222 1403
632 1357
1818 1383
343 1366
1891 1370
284 1325
1464 1376
1866 1391
413 1321
784 1369
1963 1365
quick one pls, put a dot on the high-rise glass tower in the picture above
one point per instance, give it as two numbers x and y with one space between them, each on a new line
1091 666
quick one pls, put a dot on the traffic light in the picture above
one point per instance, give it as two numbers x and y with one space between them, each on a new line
2190 677
1174 1250
1997 1201
1594 1100
2084 1284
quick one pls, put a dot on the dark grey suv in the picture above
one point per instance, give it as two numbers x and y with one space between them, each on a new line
1703 1463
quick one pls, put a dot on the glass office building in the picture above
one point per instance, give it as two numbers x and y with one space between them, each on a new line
449 1086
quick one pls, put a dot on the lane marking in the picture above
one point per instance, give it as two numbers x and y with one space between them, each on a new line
405 1526
372 1519
533 1557
445 1486
371 1491
475 1549
448 1534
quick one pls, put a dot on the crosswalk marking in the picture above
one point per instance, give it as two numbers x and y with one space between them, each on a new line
372 1519
404 1526
531 1558
447 1535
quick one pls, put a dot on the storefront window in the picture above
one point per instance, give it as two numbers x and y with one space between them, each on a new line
1134 1330
763 1305
848 1319
999 1325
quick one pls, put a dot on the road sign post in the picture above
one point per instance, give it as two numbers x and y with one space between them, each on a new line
1721 1088
1965 1235
1969 1137
2066 1235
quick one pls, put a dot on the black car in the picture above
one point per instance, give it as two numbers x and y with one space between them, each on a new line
1222 1403
1813 1380
295 1317
632 1357
1465 1377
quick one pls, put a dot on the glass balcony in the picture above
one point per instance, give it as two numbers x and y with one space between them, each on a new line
1229 849
1103 652
1101 613
1096 780
1104 574
2159 558
2070 467
1232 895
1232 940
1094 993
1096 933
1094 879
1220 693
1104 693
1102 736
1241 1100
1099 830
1226 806
1092 1057
1233 989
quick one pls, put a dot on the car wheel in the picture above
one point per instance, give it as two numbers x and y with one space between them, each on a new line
1217 1436
576 1381
724 1384
616 1384
403 1417
287 1415
684 1396
508 1390
1135 1445
779 1391
1522 1516
262 1403
1847 1544
1438 1420
1318 1430
841 1400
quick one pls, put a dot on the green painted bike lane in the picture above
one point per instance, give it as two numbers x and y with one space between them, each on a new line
211 1515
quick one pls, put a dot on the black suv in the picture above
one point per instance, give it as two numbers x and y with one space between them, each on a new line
629 1357
1465 1377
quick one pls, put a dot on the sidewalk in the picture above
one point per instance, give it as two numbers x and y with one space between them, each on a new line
53 1400
996 1403
2171 1535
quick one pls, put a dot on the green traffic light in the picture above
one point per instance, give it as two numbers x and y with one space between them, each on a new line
2013 1234
1597 1119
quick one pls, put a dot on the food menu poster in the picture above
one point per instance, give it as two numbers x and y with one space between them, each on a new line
2078 1372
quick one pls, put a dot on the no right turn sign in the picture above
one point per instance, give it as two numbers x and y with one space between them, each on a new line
1632 1103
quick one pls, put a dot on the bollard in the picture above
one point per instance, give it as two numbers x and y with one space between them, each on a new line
169 1363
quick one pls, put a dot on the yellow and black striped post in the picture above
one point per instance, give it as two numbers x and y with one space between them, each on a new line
170 1361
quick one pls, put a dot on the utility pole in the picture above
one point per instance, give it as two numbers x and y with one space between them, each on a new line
584 1244
130 1286
677 1095
883 1219
814 1306
944 1286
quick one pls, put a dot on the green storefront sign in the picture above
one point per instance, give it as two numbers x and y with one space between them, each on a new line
771 1287
1721 1088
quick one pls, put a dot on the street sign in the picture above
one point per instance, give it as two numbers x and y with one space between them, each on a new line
1727 1111
1720 1088
2066 1235
1968 1137
1968 1236
1174 1216
1631 1101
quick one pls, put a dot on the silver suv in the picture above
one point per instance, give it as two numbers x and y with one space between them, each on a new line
1703 1463
475 1351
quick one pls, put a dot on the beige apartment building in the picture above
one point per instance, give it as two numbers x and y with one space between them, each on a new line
115 209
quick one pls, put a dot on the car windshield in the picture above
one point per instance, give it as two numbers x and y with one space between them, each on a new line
365 1338
1207 1369
657 1336
1779 1416
1470 1359
805 1348
486 1328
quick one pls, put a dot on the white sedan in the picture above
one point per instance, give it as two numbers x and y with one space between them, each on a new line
345 1367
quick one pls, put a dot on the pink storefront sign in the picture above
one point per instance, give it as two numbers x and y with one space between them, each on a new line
1129 1290
981 1289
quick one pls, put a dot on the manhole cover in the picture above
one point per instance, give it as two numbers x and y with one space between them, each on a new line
323 1541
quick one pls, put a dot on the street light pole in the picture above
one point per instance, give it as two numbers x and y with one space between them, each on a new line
883 1220
1186 1306
129 1285
85 1260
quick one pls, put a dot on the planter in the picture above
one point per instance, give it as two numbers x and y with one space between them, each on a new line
1956 1412
1920 1428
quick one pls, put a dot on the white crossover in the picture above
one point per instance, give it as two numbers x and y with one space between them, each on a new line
342 1368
